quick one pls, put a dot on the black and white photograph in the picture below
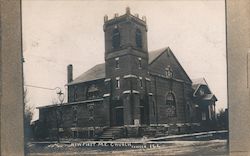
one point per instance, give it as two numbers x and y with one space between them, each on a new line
125 77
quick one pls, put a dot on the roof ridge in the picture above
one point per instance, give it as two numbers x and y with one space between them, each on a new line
154 54
94 73
158 49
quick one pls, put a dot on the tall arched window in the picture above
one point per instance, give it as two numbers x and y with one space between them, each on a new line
138 38
170 99
171 105
116 39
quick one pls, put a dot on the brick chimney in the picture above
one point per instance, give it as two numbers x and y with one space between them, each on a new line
70 72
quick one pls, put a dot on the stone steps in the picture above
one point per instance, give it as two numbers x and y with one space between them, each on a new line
111 133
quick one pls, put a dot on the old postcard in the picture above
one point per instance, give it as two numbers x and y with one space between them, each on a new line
114 77
122 78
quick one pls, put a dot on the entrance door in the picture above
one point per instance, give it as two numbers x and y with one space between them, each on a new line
119 121
144 112
143 120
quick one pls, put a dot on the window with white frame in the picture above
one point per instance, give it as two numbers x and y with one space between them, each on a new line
141 82
117 84
117 63
139 63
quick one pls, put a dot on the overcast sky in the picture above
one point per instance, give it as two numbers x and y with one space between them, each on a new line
58 33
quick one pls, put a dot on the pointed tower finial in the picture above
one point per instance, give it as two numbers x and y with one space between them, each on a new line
127 10
144 18
105 18
116 15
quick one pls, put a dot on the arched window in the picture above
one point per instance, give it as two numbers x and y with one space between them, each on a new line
116 40
93 92
138 38
170 100
171 105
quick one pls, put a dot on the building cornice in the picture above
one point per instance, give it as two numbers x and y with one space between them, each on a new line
129 92
71 103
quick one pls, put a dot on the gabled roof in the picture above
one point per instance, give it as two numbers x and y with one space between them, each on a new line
196 85
209 97
153 55
199 81
95 73
98 71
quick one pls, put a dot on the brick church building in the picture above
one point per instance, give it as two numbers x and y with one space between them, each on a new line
135 92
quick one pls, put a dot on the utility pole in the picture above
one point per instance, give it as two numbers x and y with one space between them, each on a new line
60 95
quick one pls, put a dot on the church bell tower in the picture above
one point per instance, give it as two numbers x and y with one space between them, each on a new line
126 67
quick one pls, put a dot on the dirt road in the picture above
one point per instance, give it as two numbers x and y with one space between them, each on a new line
168 148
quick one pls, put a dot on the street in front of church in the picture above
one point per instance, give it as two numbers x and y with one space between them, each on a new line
207 143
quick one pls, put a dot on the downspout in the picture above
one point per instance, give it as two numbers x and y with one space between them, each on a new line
131 100
110 105
156 103
146 107
185 104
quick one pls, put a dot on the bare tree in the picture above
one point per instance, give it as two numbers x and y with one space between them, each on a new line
222 118
28 115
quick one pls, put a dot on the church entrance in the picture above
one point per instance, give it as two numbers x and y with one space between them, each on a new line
119 121
144 112
116 114
142 115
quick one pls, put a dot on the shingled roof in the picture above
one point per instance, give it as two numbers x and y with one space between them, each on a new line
98 71
209 97
95 73
153 55
196 85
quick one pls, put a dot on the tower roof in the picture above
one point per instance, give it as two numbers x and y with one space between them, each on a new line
127 15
